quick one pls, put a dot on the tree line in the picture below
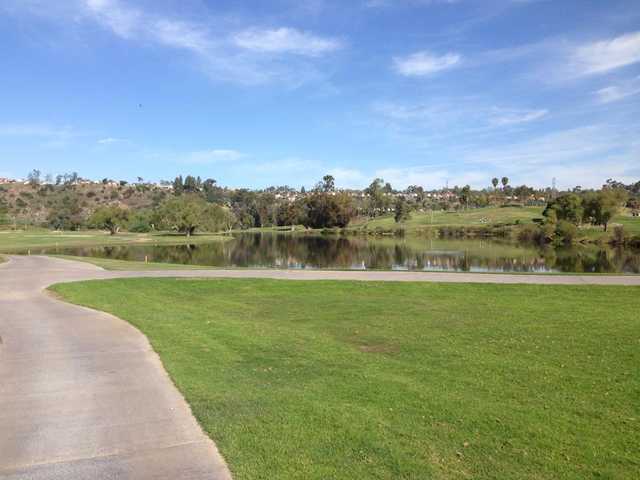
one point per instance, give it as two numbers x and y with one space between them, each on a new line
189 203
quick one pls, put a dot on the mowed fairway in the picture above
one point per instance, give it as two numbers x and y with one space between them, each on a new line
40 239
473 217
363 380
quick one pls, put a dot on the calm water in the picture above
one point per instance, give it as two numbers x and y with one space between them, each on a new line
271 250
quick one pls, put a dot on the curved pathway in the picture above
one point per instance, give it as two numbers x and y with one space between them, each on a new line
82 394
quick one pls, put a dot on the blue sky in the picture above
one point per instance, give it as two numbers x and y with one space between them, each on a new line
258 93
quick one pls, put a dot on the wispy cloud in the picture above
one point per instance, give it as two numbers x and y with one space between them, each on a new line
501 117
225 53
49 136
448 116
389 3
614 93
110 141
425 63
285 40
605 55
207 157
124 21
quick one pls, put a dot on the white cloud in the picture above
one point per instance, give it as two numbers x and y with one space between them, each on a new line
34 130
424 63
110 141
247 57
52 137
606 55
574 144
122 20
614 93
430 177
206 157
448 115
501 117
389 3
348 177
285 40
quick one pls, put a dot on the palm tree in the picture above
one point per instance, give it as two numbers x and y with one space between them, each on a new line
505 182
494 182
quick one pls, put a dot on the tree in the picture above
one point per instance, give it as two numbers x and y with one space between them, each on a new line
4 211
290 213
327 211
505 182
184 214
328 183
217 218
377 201
465 195
141 221
192 184
402 211
110 217
494 182
178 185
33 177
66 213
566 207
600 207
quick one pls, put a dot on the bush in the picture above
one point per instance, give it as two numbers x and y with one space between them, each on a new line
566 232
634 242
619 236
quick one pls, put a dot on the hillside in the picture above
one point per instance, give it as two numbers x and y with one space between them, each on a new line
472 217
26 204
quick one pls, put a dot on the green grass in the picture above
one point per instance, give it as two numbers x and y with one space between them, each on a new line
112 264
34 239
323 380
631 224
491 216
631 227
474 217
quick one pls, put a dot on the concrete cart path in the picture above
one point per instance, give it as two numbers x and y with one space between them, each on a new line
82 395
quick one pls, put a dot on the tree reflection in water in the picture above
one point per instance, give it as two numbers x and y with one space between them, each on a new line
273 250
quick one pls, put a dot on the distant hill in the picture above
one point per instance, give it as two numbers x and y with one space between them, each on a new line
22 203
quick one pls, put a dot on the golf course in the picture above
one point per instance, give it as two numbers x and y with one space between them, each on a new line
340 379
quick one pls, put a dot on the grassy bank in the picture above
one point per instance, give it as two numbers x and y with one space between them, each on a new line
474 217
112 264
34 239
490 220
356 380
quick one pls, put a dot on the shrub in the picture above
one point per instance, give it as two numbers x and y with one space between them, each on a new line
619 237
566 232
535 234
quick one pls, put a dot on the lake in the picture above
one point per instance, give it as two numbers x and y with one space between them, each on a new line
300 251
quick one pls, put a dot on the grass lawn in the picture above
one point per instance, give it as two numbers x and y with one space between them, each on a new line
631 224
112 264
40 238
474 217
350 380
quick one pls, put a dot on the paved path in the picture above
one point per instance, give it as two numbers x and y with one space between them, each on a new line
82 395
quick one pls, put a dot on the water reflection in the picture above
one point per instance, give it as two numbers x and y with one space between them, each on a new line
339 252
